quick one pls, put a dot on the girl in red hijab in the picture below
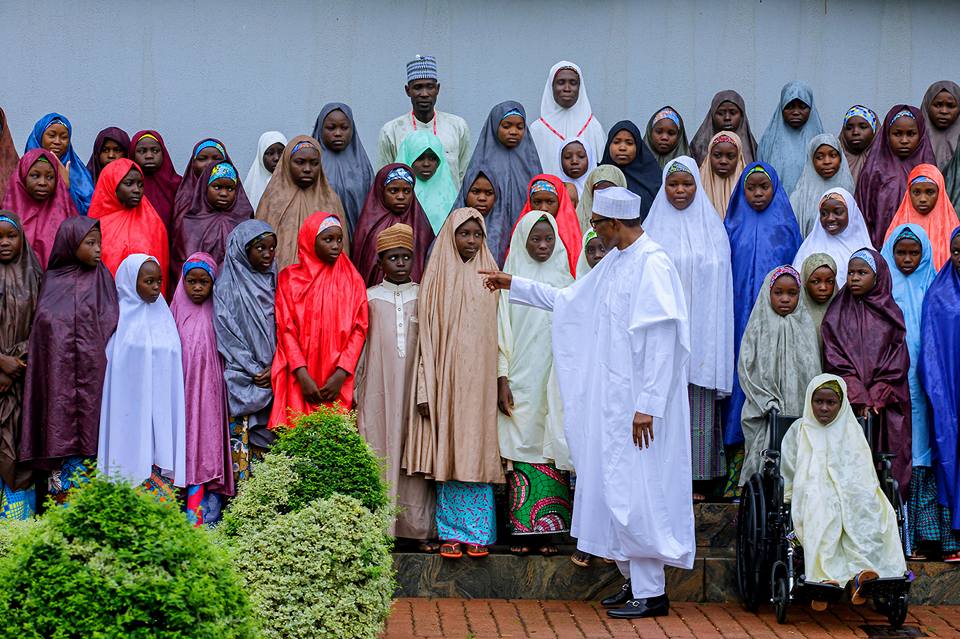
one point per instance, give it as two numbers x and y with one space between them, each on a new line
128 221
927 204
547 193
321 323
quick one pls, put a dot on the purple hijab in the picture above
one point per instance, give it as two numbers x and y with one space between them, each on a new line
208 438
76 314
116 134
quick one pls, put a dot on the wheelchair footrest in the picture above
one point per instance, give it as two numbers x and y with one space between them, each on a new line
885 587
821 591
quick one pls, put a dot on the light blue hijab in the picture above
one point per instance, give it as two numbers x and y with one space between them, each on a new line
908 292
784 147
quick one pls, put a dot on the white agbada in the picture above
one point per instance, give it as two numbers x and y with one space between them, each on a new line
143 412
621 346
696 241
557 125
841 516
258 175
840 246
533 433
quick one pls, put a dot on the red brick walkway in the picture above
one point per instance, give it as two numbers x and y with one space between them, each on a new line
515 619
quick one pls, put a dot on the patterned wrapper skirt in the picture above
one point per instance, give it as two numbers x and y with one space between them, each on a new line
928 521
73 472
244 453
466 513
18 504
539 499
707 454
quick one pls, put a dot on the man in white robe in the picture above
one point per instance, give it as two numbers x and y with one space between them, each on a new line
423 87
621 345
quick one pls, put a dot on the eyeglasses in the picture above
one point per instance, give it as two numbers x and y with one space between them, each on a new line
597 222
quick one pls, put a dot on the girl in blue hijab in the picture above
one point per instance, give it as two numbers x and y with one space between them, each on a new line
54 133
763 234
792 126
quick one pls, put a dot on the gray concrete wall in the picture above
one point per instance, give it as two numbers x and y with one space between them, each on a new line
233 70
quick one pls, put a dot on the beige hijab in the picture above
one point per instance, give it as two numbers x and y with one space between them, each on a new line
603 173
457 366
720 189
285 206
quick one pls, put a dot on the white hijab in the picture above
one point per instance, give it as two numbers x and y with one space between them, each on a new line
591 163
258 175
697 243
841 246
143 412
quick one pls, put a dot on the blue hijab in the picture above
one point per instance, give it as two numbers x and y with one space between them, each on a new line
81 183
908 293
940 373
785 147
759 242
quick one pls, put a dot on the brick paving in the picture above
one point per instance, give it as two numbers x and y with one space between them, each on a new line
522 619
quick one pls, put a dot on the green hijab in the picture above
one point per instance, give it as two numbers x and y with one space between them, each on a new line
438 194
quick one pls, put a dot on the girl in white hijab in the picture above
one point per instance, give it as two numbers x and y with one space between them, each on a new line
259 174
840 231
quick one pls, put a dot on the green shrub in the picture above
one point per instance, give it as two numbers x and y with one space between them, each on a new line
116 563
10 531
331 458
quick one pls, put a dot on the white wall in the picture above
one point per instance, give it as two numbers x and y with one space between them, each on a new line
233 70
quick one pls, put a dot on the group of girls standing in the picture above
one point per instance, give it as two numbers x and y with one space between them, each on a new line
317 280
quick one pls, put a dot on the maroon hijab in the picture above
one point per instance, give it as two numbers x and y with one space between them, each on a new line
76 314
864 341
375 217
200 228
883 178
116 134
160 187
189 182
8 154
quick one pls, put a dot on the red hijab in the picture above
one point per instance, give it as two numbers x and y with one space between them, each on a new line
938 223
160 187
127 231
568 223
321 323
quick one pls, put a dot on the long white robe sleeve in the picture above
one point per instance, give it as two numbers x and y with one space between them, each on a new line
533 294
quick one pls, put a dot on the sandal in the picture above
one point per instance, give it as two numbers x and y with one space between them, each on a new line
819 605
580 558
477 551
952 558
698 498
520 551
451 550
918 557
549 551
428 547
858 581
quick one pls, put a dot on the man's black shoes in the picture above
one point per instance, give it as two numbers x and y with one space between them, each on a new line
641 608
623 596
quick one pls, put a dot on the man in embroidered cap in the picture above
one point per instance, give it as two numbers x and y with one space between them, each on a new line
620 349
423 87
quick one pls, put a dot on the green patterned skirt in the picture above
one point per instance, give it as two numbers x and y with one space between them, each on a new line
539 499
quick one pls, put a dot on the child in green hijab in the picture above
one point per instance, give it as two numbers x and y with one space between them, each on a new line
435 187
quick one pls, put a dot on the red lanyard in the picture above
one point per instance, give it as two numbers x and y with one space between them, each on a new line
413 121
557 133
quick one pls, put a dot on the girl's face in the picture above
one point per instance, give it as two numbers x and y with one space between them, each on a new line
222 193
860 277
88 253
943 110
545 201
665 136
305 166
11 243
759 191
904 137
834 217
727 117
857 134
511 131
395 264
337 131
481 195
56 139
261 252
110 151
573 160
623 148
41 180
723 159
130 189
924 196
784 295
468 237
541 241
796 113
595 251
329 244
821 284
826 405
148 154
271 157
680 188
906 255
397 195
955 253
198 285
426 165
205 158
826 161
149 281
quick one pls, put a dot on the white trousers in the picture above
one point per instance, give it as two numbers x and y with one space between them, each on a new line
646 577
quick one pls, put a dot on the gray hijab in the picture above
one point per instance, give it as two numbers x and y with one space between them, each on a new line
812 263
348 172
805 199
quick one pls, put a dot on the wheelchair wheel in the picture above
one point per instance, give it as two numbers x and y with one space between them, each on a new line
750 532
897 611
780 591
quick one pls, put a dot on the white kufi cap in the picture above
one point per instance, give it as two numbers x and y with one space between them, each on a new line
617 202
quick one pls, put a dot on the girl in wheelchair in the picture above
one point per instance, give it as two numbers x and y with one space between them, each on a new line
843 520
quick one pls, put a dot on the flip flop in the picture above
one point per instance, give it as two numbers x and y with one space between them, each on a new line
451 551
477 551
952 558
519 551
582 559
428 547
858 581
549 551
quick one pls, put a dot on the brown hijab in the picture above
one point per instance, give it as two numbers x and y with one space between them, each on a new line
285 206
457 366
701 140
8 154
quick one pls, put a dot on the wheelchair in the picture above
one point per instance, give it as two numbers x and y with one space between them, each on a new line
769 557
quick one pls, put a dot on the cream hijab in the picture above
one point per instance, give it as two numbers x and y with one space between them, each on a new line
720 189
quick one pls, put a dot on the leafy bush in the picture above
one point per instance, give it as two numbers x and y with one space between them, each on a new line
320 571
116 563
331 458
10 531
